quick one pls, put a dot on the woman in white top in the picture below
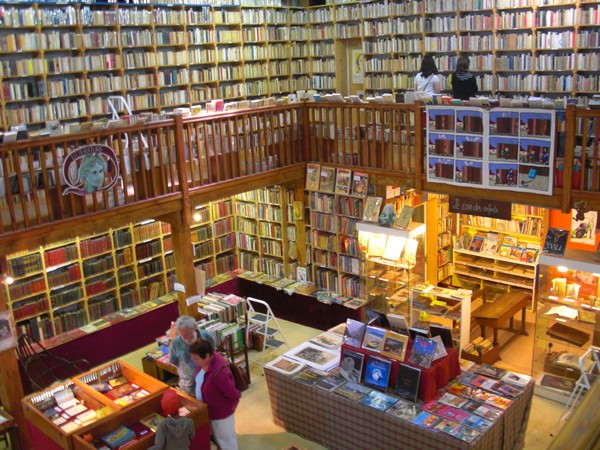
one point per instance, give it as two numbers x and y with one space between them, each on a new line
427 79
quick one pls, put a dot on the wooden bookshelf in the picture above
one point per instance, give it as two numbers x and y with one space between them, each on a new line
68 284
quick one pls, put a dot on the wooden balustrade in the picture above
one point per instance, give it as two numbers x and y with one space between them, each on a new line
211 149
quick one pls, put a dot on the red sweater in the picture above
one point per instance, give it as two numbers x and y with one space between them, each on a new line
219 392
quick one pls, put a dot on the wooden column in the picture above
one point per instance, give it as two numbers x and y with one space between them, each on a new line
11 389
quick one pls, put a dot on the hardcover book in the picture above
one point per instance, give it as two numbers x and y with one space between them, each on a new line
373 338
152 421
404 410
119 437
360 183
355 330
443 332
556 241
393 248
310 376
352 390
351 365
404 217
476 243
422 352
313 174
394 345
490 244
343 181
285 365
378 400
426 420
377 372
398 323
327 183
407 382
440 350
331 382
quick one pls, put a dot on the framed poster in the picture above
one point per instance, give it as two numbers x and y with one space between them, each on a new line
357 66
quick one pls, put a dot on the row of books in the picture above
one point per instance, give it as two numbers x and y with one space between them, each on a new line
217 306
497 244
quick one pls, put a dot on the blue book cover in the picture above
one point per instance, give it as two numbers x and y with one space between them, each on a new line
119 437
377 372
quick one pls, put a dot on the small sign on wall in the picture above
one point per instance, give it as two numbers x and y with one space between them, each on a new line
481 207
357 66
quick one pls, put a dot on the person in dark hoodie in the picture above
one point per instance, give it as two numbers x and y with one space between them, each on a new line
215 386
464 83
173 433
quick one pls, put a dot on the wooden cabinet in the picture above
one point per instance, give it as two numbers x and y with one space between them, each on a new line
104 413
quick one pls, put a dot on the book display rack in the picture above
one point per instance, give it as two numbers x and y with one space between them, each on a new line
500 255
63 63
95 403
567 321
69 284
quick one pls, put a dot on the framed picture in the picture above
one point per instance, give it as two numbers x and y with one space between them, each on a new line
314 356
7 332
285 365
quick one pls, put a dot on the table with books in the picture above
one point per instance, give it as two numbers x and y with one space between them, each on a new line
473 415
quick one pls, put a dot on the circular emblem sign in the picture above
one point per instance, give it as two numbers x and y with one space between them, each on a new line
90 168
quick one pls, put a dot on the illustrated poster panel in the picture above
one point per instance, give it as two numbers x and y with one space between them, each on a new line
507 149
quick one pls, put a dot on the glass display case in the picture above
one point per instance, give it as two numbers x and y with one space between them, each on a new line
568 319
394 262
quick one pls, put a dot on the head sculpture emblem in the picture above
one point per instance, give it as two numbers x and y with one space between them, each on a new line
89 169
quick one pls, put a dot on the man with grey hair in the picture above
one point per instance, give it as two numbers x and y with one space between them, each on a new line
179 352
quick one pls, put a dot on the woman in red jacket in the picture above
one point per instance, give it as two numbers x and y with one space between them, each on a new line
215 386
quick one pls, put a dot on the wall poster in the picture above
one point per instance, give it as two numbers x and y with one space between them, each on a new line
503 148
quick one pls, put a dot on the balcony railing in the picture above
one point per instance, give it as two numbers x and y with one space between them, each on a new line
207 150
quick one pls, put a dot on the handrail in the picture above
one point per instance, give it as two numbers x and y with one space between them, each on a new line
206 150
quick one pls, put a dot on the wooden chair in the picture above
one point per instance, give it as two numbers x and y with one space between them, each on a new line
42 367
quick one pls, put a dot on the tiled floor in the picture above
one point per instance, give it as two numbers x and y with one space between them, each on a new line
256 430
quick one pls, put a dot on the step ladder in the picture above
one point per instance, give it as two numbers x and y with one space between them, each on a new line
258 312
589 373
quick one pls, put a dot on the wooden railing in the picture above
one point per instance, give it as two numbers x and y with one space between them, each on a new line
208 150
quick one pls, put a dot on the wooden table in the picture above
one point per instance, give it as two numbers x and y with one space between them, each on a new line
495 314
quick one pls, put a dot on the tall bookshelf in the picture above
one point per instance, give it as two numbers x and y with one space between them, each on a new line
439 242
335 256
267 235
63 62
71 283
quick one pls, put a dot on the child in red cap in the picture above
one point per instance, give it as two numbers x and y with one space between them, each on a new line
173 433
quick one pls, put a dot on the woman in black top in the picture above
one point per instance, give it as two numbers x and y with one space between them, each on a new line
464 83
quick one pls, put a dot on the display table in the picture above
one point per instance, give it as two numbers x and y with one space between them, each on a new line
436 377
496 314
339 423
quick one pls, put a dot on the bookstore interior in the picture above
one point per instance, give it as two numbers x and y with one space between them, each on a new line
415 291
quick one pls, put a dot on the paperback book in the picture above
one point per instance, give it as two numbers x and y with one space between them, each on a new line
394 345
327 183
313 174
310 376
398 323
445 333
427 420
360 183
119 437
343 181
555 242
331 382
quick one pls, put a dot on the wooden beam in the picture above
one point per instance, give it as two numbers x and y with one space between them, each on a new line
11 388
